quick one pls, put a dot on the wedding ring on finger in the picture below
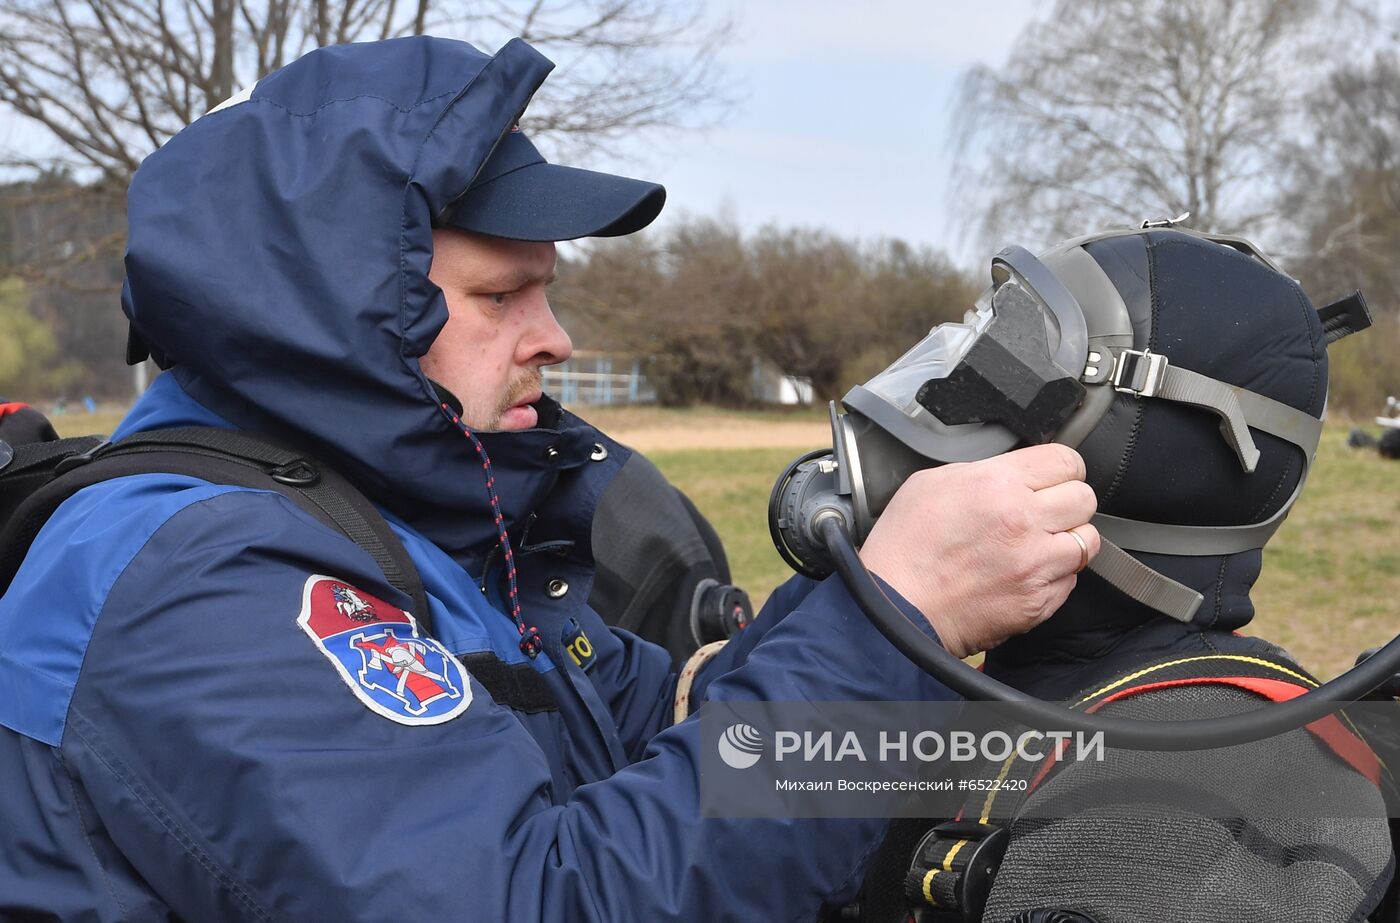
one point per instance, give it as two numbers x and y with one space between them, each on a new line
1083 551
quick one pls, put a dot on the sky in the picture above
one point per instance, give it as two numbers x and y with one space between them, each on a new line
843 121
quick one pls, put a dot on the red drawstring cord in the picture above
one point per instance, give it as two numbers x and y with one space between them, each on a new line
530 642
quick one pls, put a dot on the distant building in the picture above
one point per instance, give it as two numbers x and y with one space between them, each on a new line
772 386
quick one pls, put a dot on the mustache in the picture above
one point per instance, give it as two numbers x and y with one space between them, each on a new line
521 388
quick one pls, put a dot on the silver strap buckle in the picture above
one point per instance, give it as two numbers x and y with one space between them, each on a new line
1139 372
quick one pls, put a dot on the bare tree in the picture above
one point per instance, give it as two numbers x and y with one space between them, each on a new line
681 299
1345 195
1110 111
708 306
810 286
110 80
65 240
1345 179
907 291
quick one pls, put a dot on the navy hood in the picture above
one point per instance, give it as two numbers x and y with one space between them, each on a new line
278 260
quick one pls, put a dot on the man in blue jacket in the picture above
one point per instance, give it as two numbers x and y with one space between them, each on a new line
215 708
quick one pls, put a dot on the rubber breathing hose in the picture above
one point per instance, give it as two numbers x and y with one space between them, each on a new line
1126 733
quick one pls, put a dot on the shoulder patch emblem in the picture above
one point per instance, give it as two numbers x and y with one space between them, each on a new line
378 652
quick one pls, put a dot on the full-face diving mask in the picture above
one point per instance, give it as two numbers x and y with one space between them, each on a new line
1042 356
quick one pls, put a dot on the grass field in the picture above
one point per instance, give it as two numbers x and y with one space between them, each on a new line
1331 580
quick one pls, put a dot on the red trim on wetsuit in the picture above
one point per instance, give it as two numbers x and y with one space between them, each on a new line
1329 730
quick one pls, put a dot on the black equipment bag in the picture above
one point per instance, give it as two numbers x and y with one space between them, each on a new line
36 477
662 571
20 423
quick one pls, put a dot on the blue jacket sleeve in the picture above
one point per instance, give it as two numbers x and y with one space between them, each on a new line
635 678
244 781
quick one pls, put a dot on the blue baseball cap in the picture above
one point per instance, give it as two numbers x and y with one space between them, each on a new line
520 196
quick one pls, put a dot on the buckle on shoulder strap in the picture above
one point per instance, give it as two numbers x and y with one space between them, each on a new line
79 459
1139 372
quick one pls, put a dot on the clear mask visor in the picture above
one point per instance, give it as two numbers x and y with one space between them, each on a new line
935 356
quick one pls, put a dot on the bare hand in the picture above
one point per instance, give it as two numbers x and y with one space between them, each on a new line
983 549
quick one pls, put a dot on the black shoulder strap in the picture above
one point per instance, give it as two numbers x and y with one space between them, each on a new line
218 456
28 466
